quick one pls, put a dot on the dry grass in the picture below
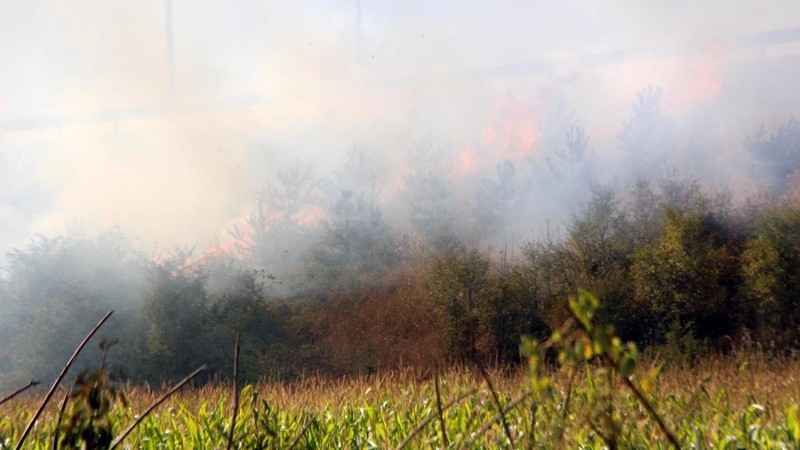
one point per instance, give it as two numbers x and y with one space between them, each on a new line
742 378
712 393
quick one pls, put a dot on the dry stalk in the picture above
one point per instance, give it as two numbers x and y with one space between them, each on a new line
497 418
473 414
155 405
565 407
632 387
430 417
496 399
532 437
235 391
61 414
439 410
300 435
59 378
19 391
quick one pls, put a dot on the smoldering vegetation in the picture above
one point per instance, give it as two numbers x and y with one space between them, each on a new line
331 274
392 188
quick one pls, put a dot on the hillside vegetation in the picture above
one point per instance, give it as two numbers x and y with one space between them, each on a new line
679 272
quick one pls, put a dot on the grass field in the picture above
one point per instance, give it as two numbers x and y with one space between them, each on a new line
719 402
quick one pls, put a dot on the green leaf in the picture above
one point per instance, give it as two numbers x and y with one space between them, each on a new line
792 424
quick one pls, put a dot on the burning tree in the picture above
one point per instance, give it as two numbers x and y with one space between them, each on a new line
647 135
427 194
496 201
275 236
355 241
778 154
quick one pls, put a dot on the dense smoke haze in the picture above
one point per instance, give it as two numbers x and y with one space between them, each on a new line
94 134
362 186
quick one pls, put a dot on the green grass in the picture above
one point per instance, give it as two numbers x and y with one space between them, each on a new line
753 408
598 395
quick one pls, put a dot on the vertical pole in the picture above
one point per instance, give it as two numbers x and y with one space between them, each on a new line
358 28
170 49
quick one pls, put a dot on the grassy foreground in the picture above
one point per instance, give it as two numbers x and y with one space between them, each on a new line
583 388
730 402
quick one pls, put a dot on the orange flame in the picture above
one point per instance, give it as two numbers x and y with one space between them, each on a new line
309 215
511 131
703 81
467 163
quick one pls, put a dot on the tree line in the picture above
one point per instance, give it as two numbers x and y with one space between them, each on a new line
676 267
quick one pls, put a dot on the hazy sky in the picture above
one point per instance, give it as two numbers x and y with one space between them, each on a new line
89 134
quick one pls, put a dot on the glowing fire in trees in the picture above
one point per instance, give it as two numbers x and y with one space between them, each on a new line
702 81
467 163
510 133
309 216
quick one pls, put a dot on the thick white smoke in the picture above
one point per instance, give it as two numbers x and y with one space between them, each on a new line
90 133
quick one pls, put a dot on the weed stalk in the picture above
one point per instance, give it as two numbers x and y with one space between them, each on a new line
496 399
155 405
61 415
614 364
235 391
19 391
430 417
439 410
58 380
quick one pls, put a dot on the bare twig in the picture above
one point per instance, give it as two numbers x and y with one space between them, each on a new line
430 417
59 378
498 417
496 399
19 391
565 407
235 391
155 405
439 410
473 414
300 435
614 437
611 444
651 410
690 405
532 437
636 392
60 415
